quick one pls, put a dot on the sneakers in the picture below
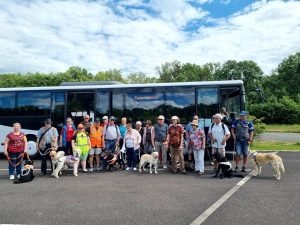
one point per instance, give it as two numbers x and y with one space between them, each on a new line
12 177
244 169
200 173
236 169
127 168
165 167
90 169
134 168
85 171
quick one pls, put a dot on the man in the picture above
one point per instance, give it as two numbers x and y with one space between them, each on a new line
46 139
86 123
97 144
160 140
242 132
189 129
111 135
219 134
104 121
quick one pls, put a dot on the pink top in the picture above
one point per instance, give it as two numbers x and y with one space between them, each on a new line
196 138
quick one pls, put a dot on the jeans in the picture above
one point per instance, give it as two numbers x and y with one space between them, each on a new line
110 145
131 157
242 147
15 159
45 158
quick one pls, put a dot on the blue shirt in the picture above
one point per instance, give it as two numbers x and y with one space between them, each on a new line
123 130
53 131
250 124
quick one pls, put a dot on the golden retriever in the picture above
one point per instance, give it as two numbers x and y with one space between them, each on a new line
151 159
261 159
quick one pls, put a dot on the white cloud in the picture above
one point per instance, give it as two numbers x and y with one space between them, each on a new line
51 36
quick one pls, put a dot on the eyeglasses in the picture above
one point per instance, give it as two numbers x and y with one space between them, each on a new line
159 119
86 118
68 121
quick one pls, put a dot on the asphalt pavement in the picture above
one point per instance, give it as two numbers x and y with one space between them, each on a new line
128 197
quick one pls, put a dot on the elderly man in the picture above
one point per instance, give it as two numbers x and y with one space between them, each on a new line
242 132
218 133
161 132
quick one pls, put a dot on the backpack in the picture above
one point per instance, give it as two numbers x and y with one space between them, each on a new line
107 127
223 126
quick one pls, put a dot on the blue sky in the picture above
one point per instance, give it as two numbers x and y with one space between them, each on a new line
137 36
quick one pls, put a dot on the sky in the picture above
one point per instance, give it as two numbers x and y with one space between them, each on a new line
139 35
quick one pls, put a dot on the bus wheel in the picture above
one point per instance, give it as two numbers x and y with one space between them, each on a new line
31 142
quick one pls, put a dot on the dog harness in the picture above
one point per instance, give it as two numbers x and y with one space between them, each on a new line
226 164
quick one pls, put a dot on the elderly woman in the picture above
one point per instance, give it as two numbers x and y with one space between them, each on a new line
175 143
148 137
14 147
196 140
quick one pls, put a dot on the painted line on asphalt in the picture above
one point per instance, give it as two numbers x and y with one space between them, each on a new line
220 201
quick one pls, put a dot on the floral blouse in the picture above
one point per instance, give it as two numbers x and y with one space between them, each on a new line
196 138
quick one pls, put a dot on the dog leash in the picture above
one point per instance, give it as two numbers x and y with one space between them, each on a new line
9 159
47 151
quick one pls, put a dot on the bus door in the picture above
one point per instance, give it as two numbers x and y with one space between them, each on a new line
80 104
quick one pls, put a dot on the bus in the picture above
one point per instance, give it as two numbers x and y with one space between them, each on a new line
32 105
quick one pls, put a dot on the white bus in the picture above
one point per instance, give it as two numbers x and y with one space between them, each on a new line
32 105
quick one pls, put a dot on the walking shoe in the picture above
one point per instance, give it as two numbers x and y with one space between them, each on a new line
12 177
90 169
127 168
99 168
244 169
236 169
165 167
200 173
134 168
85 171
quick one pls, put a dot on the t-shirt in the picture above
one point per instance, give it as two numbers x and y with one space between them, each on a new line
175 132
16 142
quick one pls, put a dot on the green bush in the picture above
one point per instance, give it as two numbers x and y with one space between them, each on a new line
283 111
259 126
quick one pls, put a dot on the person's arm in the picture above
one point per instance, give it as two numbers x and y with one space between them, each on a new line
73 145
118 135
25 145
6 146
153 137
227 135
181 141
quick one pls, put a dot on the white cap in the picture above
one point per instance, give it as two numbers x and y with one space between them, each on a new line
174 118
218 116
138 123
105 117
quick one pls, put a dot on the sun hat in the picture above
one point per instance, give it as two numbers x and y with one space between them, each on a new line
161 117
195 122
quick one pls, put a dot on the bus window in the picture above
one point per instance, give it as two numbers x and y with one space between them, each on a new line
102 103
143 105
7 103
34 103
180 101
57 109
208 104
230 99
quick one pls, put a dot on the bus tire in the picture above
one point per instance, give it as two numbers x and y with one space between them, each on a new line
31 143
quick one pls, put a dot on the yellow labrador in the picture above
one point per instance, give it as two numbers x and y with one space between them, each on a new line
261 159
151 159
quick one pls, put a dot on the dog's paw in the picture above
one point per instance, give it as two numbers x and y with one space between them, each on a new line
155 172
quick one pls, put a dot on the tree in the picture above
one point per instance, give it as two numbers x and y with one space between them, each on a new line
140 78
110 75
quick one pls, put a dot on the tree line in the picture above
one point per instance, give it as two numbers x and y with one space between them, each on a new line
274 97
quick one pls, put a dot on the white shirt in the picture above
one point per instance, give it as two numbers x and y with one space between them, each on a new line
218 133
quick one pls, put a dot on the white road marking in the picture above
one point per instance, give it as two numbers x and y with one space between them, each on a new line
219 202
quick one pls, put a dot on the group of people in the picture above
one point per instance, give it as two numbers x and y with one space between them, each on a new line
94 138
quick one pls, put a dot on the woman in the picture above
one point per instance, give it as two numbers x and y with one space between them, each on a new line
66 135
81 141
196 140
175 143
14 148
148 137
132 140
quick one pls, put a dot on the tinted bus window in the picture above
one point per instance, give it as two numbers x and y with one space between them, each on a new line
118 104
102 103
57 109
7 103
208 104
35 103
143 104
180 101
230 99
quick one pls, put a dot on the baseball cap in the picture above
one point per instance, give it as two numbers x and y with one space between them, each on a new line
243 113
161 117
112 118
174 118
97 120
48 121
105 118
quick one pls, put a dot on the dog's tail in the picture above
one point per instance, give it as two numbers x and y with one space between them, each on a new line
281 166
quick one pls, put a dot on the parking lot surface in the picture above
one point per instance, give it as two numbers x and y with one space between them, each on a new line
128 197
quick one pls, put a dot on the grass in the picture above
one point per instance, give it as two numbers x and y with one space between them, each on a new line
283 128
276 146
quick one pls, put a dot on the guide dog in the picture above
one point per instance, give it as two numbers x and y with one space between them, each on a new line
261 159
151 159
110 159
225 166
59 161
26 173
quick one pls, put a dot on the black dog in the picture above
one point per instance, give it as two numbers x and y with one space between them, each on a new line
225 166
26 173
110 159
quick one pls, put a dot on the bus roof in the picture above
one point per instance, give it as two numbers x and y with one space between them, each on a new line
80 87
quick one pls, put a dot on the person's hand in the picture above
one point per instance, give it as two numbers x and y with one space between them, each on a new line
223 142
213 140
249 142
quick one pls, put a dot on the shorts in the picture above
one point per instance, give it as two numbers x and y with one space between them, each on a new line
95 151
220 150
242 148
84 156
